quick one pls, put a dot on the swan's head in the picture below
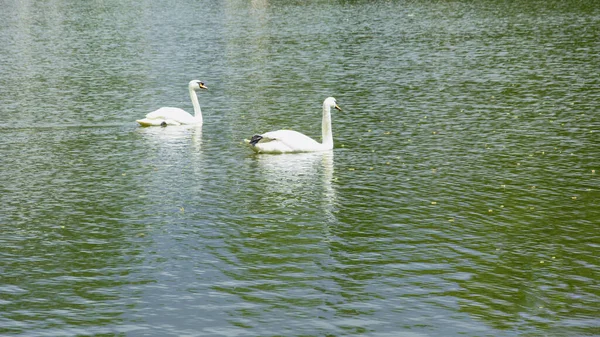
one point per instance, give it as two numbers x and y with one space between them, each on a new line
331 103
195 84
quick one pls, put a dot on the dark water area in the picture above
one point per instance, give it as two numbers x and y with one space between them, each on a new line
462 197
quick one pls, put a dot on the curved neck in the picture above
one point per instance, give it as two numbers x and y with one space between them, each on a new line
197 111
326 127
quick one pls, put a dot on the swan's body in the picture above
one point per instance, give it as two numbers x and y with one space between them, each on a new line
286 141
175 116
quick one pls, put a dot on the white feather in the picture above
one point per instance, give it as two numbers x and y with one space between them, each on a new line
176 116
287 141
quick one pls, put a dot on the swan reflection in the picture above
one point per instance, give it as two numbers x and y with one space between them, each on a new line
299 178
295 163
172 136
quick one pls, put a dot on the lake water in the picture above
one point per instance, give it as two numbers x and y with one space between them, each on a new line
462 197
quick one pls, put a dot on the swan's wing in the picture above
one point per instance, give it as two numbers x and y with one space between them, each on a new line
290 138
283 141
175 114
164 113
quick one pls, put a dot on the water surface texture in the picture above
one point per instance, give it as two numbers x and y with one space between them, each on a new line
462 197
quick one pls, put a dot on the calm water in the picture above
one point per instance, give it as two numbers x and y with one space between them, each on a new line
462 197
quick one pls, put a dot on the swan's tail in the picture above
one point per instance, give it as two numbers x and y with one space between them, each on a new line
255 139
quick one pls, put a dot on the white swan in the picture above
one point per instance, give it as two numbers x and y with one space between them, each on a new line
285 141
175 116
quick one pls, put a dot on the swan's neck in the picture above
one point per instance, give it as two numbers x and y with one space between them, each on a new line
326 128
197 111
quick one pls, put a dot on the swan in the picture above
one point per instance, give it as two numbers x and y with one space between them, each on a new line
286 141
175 116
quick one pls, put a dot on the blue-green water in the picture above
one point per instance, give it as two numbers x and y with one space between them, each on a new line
461 199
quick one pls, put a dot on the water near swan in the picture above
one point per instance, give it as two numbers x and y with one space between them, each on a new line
462 197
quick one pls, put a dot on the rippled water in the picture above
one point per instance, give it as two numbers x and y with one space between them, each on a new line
461 199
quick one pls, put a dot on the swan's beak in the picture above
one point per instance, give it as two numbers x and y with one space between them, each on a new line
337 107
202 86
